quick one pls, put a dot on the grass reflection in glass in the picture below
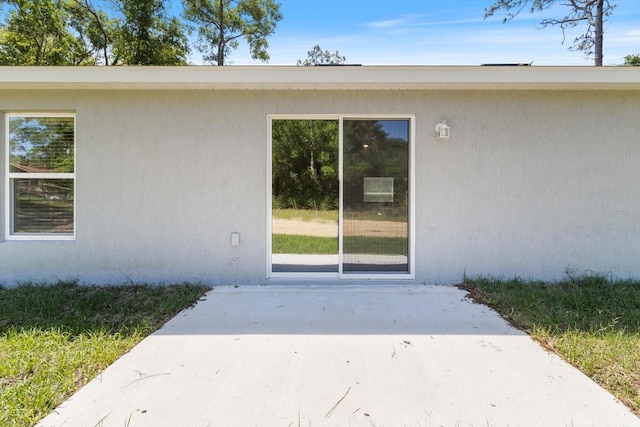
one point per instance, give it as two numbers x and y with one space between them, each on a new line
296 244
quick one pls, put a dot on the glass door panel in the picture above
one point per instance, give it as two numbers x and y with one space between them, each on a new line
304 192
375 196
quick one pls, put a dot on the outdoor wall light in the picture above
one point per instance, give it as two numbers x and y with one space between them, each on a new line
442 130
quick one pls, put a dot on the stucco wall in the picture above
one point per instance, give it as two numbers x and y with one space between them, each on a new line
529 184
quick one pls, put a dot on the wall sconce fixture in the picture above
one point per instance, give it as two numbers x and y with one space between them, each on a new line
442 130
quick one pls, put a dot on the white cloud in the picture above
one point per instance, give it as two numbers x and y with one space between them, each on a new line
632 36
387 24
400 22
458 39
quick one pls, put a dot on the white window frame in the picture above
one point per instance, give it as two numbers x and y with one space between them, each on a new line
341 275
10 177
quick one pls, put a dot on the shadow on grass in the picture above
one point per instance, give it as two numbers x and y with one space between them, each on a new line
74 309
589 303
591 321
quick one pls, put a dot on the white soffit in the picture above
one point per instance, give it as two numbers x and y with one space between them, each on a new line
322 78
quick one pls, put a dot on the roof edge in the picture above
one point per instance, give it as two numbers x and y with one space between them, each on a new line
321 78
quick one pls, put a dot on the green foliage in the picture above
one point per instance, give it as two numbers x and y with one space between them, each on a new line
317 56
370 151
36 33
95 29
221 23
147 36
591 321
632 60
305 164
77 32
54 339
46 143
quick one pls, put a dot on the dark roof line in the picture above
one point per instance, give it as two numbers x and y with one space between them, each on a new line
338 65
519 64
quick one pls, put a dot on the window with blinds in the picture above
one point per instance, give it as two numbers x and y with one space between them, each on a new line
41 176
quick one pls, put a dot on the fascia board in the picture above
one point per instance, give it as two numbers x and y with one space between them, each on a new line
320 78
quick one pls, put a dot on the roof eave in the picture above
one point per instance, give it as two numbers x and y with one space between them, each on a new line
320 78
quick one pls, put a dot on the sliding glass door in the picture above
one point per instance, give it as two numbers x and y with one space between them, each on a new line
341 196
304 196
375 196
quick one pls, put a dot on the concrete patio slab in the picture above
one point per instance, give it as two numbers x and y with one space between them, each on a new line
369 355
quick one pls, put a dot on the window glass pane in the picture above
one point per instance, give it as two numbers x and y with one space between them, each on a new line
304 191
376 196
41 144
43 206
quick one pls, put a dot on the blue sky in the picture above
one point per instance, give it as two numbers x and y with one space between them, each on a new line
434 32
430 32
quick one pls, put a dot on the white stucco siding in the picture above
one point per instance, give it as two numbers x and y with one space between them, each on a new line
162 180
529 184
533 180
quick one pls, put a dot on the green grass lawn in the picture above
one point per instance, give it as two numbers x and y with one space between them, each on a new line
375 245
591 322
54 339
297 244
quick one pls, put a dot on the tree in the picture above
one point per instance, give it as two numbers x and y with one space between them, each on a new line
147 36
222 23
370 151
36 33
317 57
305 164
77 32
593 12
95 28
632 60
43 143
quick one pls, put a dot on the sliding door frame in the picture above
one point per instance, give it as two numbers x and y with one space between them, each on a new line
410 275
